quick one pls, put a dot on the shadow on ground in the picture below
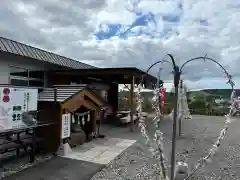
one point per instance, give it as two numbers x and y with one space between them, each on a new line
58 169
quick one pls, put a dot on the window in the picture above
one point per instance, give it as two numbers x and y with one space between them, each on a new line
33 83
18 71
18 82
26 82
21 77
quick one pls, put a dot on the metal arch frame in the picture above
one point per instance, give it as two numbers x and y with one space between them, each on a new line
210 59
177 74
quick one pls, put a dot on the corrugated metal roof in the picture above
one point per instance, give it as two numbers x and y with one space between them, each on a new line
18 48
63 92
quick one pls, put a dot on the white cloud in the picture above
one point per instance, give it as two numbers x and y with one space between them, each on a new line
67 28
115 12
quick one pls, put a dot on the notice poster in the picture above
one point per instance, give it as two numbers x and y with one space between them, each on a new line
66 123
13 103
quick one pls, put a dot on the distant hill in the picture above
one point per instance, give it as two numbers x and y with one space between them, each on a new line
221 93
217 93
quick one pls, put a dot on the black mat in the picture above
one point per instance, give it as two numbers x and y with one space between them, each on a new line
58 169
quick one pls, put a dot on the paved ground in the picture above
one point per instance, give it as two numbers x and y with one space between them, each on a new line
58 169
100 151
136 162
81 164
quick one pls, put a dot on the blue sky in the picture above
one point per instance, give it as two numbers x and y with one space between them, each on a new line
113 33
145 24
142 20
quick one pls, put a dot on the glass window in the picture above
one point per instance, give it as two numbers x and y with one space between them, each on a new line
18 71
34 74
13 68
18 82
35 83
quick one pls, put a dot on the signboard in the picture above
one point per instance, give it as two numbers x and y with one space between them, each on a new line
66 126
14 102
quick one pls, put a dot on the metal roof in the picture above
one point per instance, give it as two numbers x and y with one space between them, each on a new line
14 47
62 92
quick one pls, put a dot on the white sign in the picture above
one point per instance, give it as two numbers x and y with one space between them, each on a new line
14 102
66 126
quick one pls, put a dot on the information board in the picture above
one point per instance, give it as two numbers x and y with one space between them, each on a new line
14 102
66 126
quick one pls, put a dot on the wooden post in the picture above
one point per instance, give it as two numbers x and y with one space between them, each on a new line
132 104
93 122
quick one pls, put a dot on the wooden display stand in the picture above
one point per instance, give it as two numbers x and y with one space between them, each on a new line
79 138
53 111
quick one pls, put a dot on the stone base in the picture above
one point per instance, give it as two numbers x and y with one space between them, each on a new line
64 149
77 138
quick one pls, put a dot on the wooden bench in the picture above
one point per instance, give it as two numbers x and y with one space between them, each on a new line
15 139
8 146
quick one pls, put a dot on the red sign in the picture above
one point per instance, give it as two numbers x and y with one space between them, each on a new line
6 92
163 95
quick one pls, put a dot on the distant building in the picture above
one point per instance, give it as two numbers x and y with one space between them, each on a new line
220 100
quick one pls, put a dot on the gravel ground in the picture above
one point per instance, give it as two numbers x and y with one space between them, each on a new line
198 136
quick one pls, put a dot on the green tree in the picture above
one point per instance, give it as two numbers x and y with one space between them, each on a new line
198 106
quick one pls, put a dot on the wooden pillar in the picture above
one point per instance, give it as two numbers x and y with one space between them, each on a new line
93 121
113 96
132 104
45 79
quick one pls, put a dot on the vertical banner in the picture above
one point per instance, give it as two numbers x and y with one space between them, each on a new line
66 126
163 95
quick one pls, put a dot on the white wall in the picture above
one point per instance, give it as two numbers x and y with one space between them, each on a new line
7 60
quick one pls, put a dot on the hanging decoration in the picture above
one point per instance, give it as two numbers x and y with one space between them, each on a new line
156 145
183 109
